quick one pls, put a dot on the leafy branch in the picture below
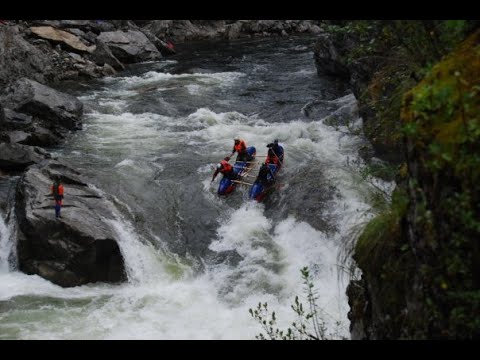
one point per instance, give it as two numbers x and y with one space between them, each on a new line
309 326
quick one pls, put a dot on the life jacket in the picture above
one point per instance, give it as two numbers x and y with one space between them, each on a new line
272 160
240 147
226 167
57 190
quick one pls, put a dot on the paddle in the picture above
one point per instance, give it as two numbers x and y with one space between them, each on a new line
238 166
241 182
280 161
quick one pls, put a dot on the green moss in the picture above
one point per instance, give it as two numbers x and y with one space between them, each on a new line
441 117
382 234
387 263
395 54
384 97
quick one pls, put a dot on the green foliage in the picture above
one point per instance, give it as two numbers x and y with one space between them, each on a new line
423 249
397 54
463 322
309 324
451 32
370 173
415 41
380 170
380 238
442 126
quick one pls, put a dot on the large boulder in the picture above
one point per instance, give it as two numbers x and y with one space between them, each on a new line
161 45
65 38
15 136
96 26
19 58
16 157
76 249
34 136
15 121
130 46
232 31
20 128
44 103
329 58
103 55
159 28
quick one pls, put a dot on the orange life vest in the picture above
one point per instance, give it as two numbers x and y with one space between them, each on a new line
272 160
240 147
57 192
226 167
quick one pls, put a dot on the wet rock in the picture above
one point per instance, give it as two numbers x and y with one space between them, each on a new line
51 106
63 37
130 46
19 58
103 55
76 249
17 157
15 121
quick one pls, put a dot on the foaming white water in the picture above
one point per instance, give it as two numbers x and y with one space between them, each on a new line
152 77
142 260
126 162
206 117
143 263
193 89
186 309
302 246
6 244
248 232
131 131
304 72
273 255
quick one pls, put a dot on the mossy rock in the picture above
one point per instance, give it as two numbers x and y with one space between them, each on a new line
443 110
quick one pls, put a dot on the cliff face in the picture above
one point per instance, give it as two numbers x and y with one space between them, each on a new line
383 59
349 52
421 258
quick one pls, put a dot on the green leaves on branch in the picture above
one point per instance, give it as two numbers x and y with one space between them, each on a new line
309 324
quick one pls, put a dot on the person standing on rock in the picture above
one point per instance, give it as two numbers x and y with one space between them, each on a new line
57 192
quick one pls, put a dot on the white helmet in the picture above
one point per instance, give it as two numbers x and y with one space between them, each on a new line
236 138
219 166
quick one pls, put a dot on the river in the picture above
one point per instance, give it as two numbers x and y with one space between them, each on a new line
196 262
